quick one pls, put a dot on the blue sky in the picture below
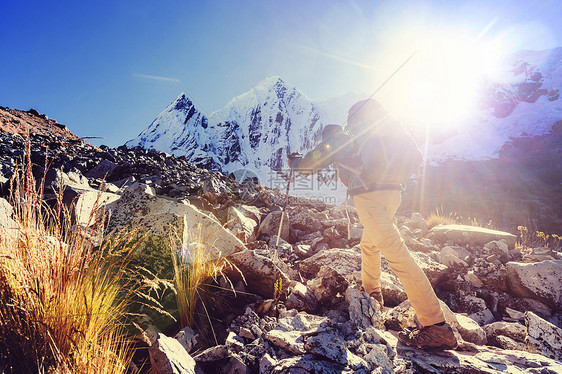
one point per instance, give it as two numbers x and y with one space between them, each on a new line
102 67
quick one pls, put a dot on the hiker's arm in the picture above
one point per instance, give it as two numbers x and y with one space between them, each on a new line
320 157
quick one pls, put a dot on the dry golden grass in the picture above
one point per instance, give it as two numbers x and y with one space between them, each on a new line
438 217
62 290
196 267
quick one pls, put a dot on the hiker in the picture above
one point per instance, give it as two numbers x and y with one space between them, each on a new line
374 156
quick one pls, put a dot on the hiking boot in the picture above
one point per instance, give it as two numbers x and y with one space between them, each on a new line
431 337
377 295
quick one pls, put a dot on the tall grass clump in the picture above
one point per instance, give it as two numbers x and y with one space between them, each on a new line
62 289
438 217
197 267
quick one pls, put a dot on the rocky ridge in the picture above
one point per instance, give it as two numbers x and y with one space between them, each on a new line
503 301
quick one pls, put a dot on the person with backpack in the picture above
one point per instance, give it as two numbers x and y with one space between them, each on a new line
374 156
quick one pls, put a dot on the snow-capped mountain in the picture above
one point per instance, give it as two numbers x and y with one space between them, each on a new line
256 130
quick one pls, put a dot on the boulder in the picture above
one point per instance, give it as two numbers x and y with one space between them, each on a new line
392 290
345 261
470 330
475 236
167 356
434 271
515 331
139 207
416 221
539 280
259 272
543 337
483 317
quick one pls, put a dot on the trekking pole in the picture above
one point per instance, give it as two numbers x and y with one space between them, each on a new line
284 207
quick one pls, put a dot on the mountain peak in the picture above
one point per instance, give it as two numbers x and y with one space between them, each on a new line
270 82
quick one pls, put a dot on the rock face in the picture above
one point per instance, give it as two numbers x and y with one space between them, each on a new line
476 236
543 337
167 356
539 281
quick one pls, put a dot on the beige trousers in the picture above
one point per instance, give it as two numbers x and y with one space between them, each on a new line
376 211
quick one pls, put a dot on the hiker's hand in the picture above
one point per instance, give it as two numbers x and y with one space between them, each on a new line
293 160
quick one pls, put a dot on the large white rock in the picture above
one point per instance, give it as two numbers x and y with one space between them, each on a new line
168 356
138 207
291 332
543 337
476 236
538 280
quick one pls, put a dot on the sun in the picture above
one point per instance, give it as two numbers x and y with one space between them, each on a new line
441 84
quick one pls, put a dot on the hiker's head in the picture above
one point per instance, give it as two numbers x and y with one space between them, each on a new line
366 115
329 131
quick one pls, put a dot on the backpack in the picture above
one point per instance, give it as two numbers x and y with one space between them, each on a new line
390 159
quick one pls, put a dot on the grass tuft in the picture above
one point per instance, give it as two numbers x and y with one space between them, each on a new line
62 288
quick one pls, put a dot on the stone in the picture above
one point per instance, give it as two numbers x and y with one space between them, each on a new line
301 298
327 284
364 311
291 331
473 279
215 353
392 289
500 248
260 272
311 364
168 356
345 261
505 342
187 338
540 281
267 363
242 224
270 225
330 346
234 343
471 235
246 333
543 337
449 257
303 250
6 221
377 356
87 200
416 221
483 317
470 330
515 331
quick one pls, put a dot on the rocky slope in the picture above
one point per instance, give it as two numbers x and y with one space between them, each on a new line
505 302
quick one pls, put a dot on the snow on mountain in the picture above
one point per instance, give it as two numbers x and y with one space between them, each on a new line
256 130
523 100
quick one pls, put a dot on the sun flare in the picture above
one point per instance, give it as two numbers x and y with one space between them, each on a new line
442 82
